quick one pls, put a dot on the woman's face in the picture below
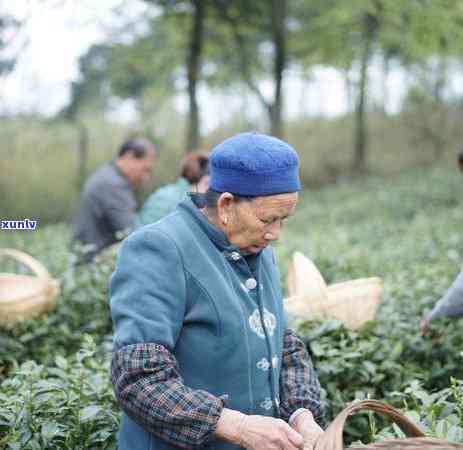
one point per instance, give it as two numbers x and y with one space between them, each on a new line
252 225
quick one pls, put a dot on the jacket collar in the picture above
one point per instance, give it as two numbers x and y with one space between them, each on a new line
217 236
182 183
118 171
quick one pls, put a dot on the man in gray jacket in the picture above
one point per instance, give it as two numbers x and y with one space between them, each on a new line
108 203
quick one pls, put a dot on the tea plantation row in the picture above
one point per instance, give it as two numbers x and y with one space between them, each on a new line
54 384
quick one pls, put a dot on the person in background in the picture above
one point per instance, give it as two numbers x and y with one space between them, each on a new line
193 177
203 357
108 204
451 304
460 160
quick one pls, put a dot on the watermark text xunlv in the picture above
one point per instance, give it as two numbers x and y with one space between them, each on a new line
25 224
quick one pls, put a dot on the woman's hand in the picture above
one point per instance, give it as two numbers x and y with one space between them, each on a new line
306 426
257 432
267 433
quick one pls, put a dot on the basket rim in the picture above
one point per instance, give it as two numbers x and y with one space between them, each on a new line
301 269
33 264
42 289
357 282
333 297
412 443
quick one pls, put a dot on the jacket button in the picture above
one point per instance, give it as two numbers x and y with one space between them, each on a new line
235 256
251 283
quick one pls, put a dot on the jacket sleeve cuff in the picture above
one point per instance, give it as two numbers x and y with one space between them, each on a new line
296 413
299 385
150 390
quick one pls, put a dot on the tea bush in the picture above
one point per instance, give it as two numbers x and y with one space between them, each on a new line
68 405
439 414
82 309
404 229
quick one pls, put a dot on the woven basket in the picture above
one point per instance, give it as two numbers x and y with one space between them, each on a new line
332 438
352 302
304 279
25 296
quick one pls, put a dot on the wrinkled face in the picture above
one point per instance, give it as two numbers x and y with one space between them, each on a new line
252 225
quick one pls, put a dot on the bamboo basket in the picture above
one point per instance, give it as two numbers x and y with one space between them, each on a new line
25 296
352 302
332 438
304 279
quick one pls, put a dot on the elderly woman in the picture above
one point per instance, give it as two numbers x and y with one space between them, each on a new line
203 357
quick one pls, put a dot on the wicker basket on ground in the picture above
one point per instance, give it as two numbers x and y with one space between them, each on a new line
332 439
25 296
353 302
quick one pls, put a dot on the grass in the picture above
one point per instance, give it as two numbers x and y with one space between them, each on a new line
41 162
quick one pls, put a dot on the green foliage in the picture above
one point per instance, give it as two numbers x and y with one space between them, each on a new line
413 30
82 307
129 67
439 414
147 61
404 229
89 91
8 27
43 157
68 405
429 28
323 146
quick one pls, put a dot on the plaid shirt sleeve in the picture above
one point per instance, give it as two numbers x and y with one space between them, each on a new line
299 385
149 388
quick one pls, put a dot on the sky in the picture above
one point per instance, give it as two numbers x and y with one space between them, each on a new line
57 32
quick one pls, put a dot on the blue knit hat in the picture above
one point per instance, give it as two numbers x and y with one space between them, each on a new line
254 164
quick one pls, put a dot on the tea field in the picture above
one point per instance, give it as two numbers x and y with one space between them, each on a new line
54 371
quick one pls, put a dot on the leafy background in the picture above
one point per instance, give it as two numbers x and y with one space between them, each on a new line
55 391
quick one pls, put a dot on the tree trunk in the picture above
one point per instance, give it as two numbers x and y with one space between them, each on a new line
244 58
360 136
441 79
194 68
273 108
82 151
439 125
348 86
384 87
279 12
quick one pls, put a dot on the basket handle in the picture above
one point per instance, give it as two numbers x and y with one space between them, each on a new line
331 439
28 260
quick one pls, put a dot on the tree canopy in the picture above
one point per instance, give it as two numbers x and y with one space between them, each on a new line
245 44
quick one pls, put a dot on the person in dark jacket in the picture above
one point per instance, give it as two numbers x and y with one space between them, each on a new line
108 203
203 357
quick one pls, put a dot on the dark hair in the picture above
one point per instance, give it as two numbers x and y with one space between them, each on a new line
138 147
194 166
210 198
460 157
